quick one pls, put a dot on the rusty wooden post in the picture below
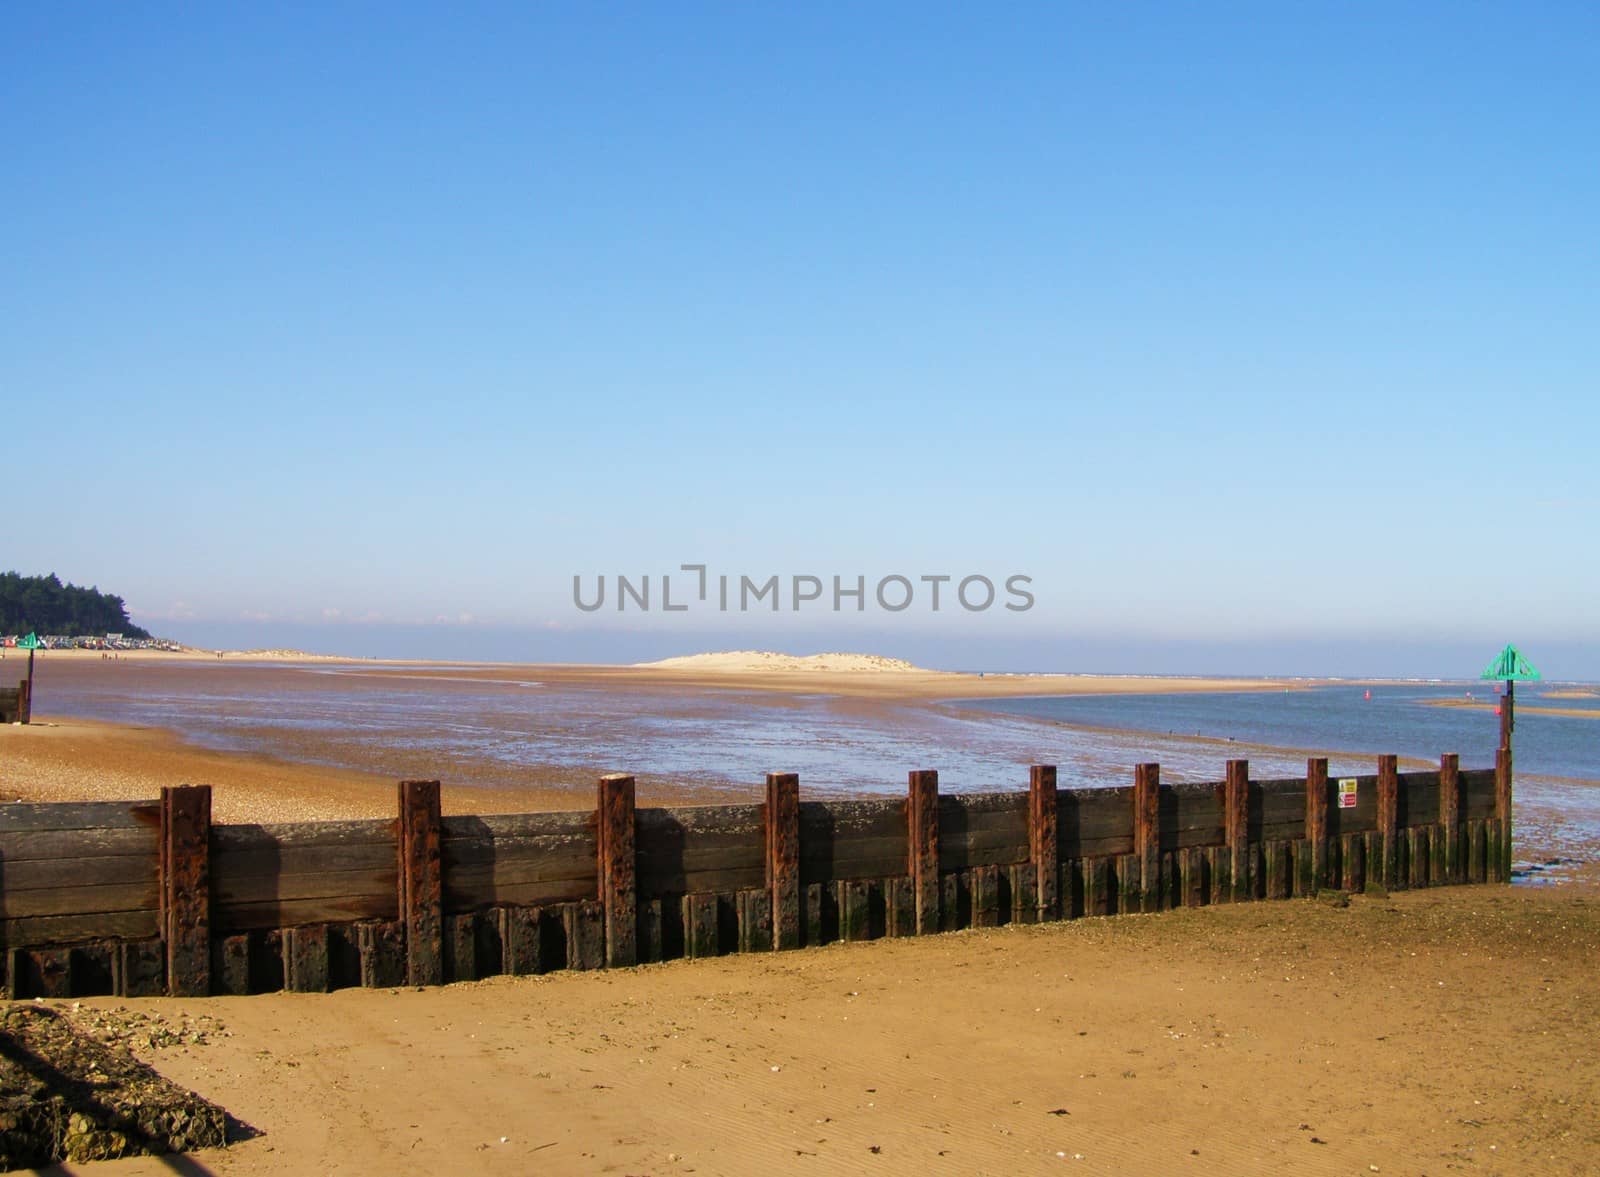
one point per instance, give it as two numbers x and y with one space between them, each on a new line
922 821
614 809
186 888
25 700
1042 840
1508 721
1236 828
1388 823
1147 833
1500 843
1447 846
421 882
1317 819
782 822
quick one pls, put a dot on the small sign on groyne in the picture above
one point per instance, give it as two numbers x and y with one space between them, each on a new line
149 897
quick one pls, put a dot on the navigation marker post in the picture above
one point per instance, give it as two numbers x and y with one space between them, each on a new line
1513 668
30 644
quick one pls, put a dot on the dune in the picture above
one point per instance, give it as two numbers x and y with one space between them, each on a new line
745 661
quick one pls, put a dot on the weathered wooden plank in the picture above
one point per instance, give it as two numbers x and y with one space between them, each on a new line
899 904
227 866
246 838
1276 853
1389 820
1363 816
420 879
1477 850
186 888
1147 834
1219 872
21 846
481 894
1192 870
1417 856
1071 890
754 907
1417 800
35 817
1477 792
955 901
1043 857
1130 884
584 923
461 947
518 827
1236 827
288 913
521 942
781 858
1094 822
305 959
699 925
922 820
985 897
381 953
618 893
86 901
1189 815
1316 822
817 904
1093 878
138 968
230 965
854 910
1447 840
368 885
1372 858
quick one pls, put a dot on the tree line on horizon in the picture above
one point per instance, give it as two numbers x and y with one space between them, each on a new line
44 605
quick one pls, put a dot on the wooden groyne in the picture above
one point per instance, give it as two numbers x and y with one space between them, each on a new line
149 897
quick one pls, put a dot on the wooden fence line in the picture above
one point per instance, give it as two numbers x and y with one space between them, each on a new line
138 898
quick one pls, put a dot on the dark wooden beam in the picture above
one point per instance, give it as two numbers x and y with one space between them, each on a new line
1042 844
421 882
186 888
781 823
614 811
922 820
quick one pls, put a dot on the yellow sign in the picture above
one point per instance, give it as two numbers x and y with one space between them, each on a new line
1347 792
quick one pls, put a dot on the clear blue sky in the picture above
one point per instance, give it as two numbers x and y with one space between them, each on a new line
1255 334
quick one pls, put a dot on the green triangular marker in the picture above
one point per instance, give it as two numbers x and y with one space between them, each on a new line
31 642
1513 666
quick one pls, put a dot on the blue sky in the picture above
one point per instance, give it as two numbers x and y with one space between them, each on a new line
1257 335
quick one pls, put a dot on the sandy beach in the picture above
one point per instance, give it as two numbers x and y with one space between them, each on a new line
1446 1031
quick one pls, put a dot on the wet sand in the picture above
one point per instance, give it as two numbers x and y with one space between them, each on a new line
1432 1032
1522 708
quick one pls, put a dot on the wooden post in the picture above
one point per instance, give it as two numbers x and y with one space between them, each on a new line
1042 840
922 821
782 821
25 699
1388 823
614 810
421 882
1447 847
1147 833
1317 819
1236 827
1508 721
186 888
1500 868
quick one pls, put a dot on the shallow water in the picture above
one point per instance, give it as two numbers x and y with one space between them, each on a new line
492 732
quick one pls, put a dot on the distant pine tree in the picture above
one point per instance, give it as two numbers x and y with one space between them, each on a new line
42 604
